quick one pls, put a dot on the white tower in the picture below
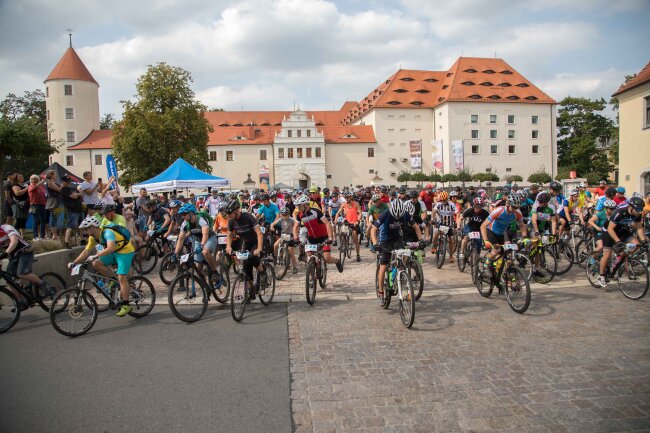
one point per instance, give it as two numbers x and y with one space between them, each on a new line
72 104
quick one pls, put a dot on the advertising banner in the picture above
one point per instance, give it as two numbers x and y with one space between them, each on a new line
458 154
416 154
436 155
111 168
264 177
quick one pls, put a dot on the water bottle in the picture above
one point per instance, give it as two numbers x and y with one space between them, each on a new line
498 263
617 261
103 287
393 272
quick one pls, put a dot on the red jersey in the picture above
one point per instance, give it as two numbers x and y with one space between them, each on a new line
312 220
427 199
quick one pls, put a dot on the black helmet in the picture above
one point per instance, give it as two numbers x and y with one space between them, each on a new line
543 197
108 208
610 192
636 203
402 190
326 190
273 194
555 186
151 203
232 206
264 197
383 189
413 193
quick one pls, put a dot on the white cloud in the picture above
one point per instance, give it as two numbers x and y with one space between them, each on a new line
594 85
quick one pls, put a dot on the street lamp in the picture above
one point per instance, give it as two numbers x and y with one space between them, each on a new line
249 183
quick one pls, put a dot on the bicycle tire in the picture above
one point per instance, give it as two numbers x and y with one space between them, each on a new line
462 262
388 290
142 296
483 278
593 272
524 263
407 301
517 285
311 282
168 269
56 282
238 298
547 267
145 259
219 286
186 302
343 254
266 294
564 257
583 251
322 274
9 310
633 272
75 301
441 251
417 278
282 262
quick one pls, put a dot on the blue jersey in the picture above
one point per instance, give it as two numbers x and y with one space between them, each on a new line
600 205
270 212
500 219
390 229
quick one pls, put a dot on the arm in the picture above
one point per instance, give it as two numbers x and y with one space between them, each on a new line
13 243
53 186
260 241
329 227
416 227
277 218
592 222
205 235
611 232
373 234
17 191
296 226
179 243
533 219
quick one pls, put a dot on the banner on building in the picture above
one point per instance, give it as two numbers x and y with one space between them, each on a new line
416 154
436 155
458 154
111 168
264 177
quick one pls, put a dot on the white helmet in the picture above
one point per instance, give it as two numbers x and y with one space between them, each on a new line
396 209
301 200
582 185
409 208
89 221
609 204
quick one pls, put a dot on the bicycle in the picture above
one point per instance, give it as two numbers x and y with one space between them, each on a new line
147 255
441 245
283 260
316 270
9 307
76 306
397 282
513 284
538 249
472 251
630 273
169 267
345 239
189 293
240 295
414 266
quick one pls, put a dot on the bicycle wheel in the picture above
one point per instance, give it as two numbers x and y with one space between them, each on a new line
57 283
267 292
593 271
219 285
187 297
407 300
633 279
311 282
524 263
168 269
73 312
238 297
282 262
142 296
321 272
388 289
462 262
483 278
343 249
9 311
545 272
441 251
145 259
564 256
583 251
417 278
517 289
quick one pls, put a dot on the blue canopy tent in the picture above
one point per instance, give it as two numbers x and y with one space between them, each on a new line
180 175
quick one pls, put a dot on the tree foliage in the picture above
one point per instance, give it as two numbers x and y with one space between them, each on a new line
434 177
540 177
449 177
107 121
419 177
404 177
464 176
164 123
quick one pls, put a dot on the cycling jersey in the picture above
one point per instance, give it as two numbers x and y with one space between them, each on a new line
571 205
117 219
188 226
601 218
270 212
122 245
389 227
624 221
312 220
555 203
220 224
419 208
158 217
475 219
544 215
244 227
375 211
583 198
316 204
351 213
446 212
600 205
427 199
286 225
335 204
6 233
500 219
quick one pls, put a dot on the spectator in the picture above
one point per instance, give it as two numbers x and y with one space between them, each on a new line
89 189
54 205
620 195
20 206
6 190
37 200
73 204
142 213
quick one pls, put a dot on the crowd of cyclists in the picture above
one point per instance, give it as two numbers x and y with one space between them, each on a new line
443 221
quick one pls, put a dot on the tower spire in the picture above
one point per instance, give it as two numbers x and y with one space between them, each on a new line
70 35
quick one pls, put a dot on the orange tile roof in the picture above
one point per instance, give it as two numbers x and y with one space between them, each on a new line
97 139
339 134
640 78
225 135
71 67
468 79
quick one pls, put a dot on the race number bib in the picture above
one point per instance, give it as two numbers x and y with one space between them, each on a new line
221 240
510 247
444 229
474 235
76 270
311 248
185 258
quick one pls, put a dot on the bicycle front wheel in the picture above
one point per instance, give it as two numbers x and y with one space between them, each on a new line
282 262
187 298
441 251
142 296
407 300
238 298
267 291
517 289
417 278
343 249
219 285
483 278
311 281
73 312
564 256
9 310
633 279
55 282
168 269
145 259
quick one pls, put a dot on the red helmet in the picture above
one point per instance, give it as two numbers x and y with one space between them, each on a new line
478 201
428 186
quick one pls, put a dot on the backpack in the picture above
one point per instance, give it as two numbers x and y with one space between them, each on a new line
206 216
121 230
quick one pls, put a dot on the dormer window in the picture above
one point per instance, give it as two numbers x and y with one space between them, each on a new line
467 83
522 85
422 91
239 137
449 74
237 124
505 84
407 79
513 97
224 124
507 72
445 86
488 71
393 102
430 80
418 103
475 96
400 90
486 83
531 98
470 70
441 99
349 136
494 97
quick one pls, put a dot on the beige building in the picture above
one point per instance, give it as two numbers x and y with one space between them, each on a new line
634 132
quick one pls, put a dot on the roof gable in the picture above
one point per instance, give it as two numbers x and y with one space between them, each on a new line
640 78
70 67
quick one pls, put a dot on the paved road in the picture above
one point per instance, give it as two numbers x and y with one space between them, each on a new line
154 374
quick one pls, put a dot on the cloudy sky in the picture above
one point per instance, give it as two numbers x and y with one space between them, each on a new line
266 54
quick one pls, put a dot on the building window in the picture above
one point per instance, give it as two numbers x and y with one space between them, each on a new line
47 92
535 149
69 113
493 133
534 120
371 171
494 149
69 137
299 152
535 133
508 169
475 149
475 133
309 133
512 149
212 155
262 154
418 131
391 116
318 155
474 118
493 118
289 133
511 133
48 114
290 152
371 152
67 89
402 130
69 160
647 111
299 133
98 160
391 130
280 153
308 154
511 119
230 155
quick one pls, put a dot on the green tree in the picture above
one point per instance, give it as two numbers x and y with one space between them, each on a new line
164 123
464 176
479 177
540 177
107 121
510 178
419 177
449 177
404 177
434 177
562 173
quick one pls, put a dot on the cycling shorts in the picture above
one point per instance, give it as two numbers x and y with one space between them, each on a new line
387 248
326 248
211 245
123 262
494 238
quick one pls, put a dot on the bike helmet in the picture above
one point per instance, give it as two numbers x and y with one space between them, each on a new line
409 208
574 192
453 194
174 204
222 206
108 208
402 190
413 193
90 221
326 190
396 209
443 196
383 189
428 186
610 192
285 211
313 189
187 208
555 186
620 189
514 200
582 185
263 197
301 200
231 206
543 197
636 203
375 197
637 194
609 204
478 201
273 194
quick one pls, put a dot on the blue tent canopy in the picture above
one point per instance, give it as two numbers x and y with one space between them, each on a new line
179 175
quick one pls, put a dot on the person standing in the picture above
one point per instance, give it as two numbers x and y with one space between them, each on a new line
37 200
6 190
73 204
53 205
20 206
89 189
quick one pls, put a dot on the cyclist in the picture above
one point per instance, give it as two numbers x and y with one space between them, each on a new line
220 227
158 216
620 229
276 199
286 223
374 210
351 211
318 228
107 211
542 215
113 248
570 207
198 227
419 210
494 228
619 198
176 219
333 205
596 223
446 211
609 194
427 196
473 218
386 233
267 211
584 196
315 200
383 194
